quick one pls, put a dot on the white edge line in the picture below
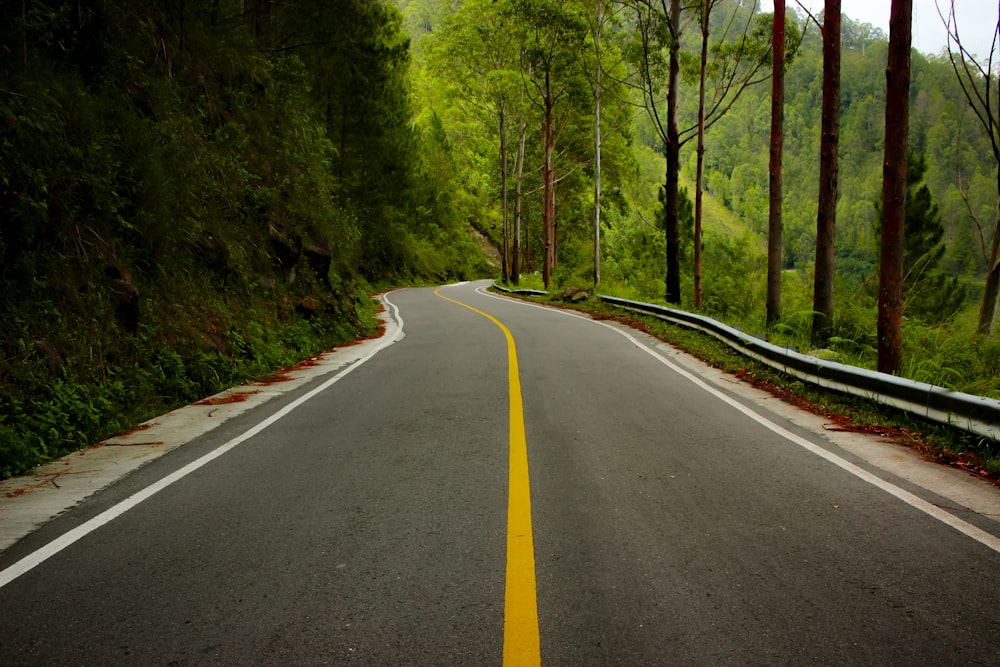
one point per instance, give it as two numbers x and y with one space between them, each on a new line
393 334
964 527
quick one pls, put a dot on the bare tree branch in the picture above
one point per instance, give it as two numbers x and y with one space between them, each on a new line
809 14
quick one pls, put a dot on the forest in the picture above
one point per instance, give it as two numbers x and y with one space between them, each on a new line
516 86
197 194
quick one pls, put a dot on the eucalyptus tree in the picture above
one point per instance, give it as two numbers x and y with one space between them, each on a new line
479 53
598 29
736 64
554 32
774 219
522 134
897 123
826 216
610 98
658 28
723 71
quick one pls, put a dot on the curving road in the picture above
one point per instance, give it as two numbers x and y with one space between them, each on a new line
403 515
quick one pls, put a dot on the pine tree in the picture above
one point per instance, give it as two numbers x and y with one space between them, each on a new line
929 294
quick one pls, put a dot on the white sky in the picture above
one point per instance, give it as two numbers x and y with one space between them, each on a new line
977 20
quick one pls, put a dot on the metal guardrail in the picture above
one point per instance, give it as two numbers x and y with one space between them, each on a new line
978 414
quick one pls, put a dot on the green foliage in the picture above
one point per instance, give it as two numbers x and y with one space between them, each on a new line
49 409
943 252
929 295
728 294
189 200
947 356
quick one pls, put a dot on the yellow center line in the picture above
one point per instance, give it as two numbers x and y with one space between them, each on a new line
521 645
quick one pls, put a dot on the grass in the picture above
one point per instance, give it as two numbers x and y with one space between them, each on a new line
936 442
530 281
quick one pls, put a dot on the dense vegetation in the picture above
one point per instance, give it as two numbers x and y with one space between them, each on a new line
951 205
193 194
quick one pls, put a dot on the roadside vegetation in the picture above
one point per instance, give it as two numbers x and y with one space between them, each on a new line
194 194
950 190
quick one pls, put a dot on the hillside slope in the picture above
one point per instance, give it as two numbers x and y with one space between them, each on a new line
191 196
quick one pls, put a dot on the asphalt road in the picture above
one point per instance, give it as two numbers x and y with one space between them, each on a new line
370 525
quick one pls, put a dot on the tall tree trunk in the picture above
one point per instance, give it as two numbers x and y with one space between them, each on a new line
555 220
597 150
700 169
775 197
897 122
548 206
516 262
503 188
826 218
672 198
987 312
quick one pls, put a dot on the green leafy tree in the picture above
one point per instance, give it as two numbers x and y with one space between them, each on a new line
193 194
655 53
478 52
358 59
737 63
554 31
